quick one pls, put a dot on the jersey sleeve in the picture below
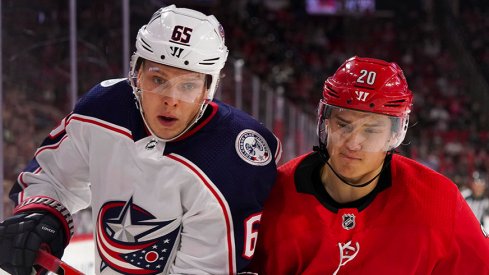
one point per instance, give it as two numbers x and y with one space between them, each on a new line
59 170
469 249
276 252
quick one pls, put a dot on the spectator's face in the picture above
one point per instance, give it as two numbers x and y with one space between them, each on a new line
171 98
357 143
478 187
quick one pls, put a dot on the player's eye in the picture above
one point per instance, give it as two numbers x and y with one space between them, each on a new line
346 127
375 130
188 86
157 80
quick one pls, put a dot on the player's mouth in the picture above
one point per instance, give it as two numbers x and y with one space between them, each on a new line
350 156
167 120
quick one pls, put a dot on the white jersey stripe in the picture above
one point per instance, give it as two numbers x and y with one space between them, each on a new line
101 123
222 202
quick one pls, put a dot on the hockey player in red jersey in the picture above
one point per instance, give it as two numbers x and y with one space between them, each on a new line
147 153
353 206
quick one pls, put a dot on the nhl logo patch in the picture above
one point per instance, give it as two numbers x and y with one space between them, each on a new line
253 148
151 145
348 221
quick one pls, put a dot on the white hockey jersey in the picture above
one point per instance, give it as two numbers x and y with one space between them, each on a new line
191 206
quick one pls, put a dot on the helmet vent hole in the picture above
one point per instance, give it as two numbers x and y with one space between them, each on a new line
394 103
209 61
372 105
348 101
333 93
186 62
162 57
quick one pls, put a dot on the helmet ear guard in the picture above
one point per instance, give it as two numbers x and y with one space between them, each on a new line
134 69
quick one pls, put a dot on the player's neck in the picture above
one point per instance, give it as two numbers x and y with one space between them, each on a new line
343 193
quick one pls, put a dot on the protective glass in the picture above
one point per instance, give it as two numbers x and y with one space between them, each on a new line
188 87
363 131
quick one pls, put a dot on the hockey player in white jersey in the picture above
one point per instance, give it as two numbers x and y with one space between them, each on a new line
176 180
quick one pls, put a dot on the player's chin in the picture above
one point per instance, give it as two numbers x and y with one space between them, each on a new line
168 132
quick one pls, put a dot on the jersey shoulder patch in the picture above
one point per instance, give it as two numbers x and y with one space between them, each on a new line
253 148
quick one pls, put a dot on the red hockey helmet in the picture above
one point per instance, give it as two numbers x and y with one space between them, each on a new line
368 85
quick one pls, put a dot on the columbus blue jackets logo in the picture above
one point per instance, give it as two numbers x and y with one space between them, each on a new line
132 241
253 148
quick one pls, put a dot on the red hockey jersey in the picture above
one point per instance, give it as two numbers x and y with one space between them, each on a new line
414 222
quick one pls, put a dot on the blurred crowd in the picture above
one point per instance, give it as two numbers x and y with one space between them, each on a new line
284 46
474 18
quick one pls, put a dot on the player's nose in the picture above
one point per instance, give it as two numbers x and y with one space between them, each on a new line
354 140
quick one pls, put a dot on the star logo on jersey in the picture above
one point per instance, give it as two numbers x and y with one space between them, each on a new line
253 148
130 240
348 221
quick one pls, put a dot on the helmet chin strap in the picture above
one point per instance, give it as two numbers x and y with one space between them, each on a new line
321 149
350 184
